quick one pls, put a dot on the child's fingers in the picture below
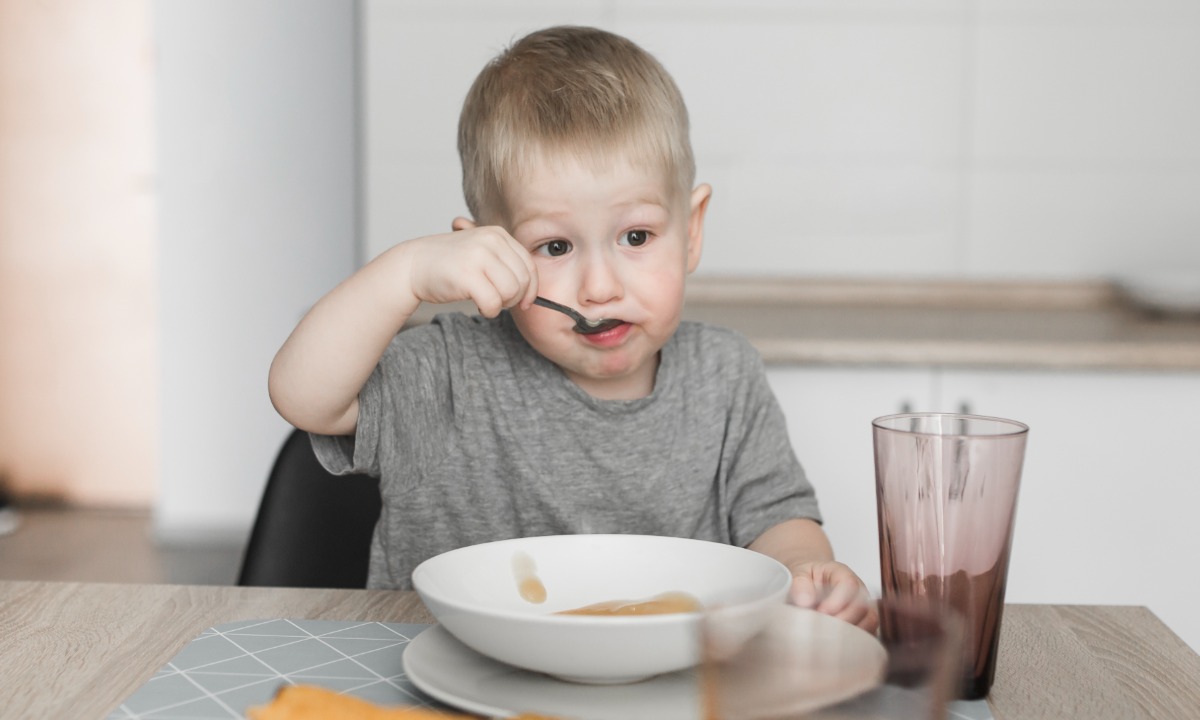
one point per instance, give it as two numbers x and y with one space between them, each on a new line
497 287
488 301
506 265
511 270
833 589
803 592
861 614
869 621
848 600
840 595
530 273
508 282
531 290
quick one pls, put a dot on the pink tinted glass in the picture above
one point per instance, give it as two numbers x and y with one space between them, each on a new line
946 488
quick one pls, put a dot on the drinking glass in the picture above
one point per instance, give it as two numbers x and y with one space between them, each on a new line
946 489
804 665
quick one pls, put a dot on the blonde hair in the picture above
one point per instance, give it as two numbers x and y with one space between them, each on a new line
574 90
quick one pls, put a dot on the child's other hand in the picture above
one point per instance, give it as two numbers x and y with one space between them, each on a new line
482 264
833 589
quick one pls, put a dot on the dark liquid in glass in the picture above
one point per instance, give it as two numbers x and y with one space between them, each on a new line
980 600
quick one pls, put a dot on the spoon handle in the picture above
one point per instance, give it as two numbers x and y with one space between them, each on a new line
570 312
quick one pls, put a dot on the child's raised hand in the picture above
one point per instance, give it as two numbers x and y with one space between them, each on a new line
482 264
833 589
317 375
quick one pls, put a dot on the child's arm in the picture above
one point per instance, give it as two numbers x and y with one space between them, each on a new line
817 580
317 374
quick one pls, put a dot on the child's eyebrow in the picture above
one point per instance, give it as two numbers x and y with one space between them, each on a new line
652 199
538 221
641 203
645 212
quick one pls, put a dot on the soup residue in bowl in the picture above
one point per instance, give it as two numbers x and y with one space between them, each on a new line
529 585
662 604
532 590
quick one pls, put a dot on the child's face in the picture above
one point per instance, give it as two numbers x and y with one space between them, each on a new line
611 243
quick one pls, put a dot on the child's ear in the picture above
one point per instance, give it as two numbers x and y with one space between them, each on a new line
461 223
699 206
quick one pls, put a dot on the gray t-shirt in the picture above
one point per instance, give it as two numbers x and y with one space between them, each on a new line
475 437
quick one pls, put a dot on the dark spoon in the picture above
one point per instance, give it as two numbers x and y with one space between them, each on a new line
583 326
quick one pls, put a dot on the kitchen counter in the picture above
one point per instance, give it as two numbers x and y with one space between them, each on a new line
1069 325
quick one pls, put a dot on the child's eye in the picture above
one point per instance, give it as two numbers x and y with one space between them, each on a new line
555 248
634 238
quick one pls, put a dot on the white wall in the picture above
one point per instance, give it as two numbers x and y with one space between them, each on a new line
256 115
950 138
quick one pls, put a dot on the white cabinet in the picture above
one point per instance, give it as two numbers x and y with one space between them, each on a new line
829 413
1111 486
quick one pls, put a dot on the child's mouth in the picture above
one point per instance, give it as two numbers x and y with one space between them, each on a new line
594 327
608 335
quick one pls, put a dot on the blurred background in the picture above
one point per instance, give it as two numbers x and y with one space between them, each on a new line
181 179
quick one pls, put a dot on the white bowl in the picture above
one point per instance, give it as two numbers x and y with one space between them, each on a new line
474 592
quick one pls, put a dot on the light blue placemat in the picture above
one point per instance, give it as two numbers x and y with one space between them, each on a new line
230 668
969 710
891 701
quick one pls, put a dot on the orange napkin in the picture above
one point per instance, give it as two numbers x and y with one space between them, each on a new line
308 702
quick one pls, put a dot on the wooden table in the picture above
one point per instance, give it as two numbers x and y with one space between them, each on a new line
78 649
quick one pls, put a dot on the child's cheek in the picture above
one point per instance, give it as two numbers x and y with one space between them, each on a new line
536 324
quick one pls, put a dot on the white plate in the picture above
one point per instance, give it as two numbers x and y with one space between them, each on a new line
445 669
453 673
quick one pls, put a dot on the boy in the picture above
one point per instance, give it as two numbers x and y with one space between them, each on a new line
578 173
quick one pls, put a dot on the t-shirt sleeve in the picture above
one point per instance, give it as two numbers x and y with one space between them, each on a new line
357 453
766 483
406 399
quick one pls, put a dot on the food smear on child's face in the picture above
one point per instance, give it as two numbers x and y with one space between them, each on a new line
529 585
662 604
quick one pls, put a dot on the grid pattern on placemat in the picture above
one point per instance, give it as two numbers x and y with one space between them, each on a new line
969 710
230 668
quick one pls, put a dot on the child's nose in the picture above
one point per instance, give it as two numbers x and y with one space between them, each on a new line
601 281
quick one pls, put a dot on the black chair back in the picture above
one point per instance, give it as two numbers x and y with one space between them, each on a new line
313 528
